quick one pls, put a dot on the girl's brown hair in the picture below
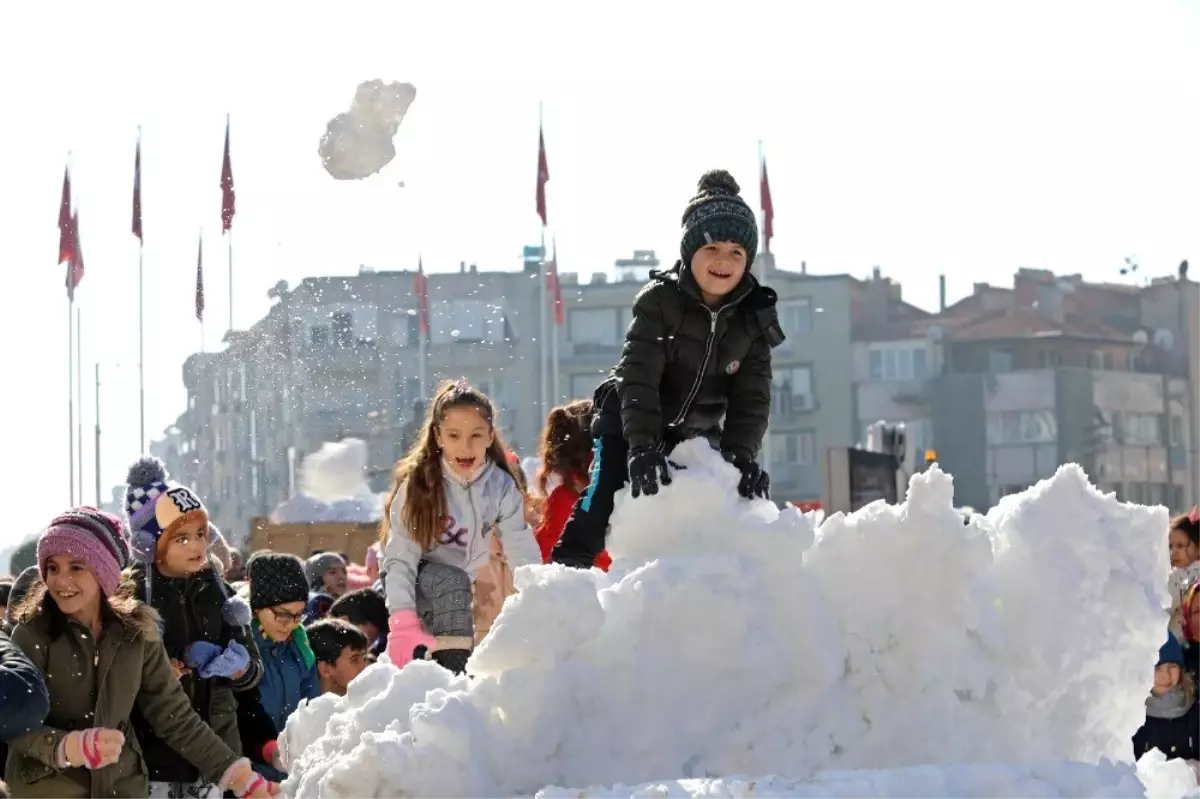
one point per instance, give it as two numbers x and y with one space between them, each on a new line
566 446
122 606
1188 524
420 470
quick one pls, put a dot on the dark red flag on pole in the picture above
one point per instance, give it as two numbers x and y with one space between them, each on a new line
66 225
421 289
200 281
542 177
228 199
75 263
137 188
554 285
768 209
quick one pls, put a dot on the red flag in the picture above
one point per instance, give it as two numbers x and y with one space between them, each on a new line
227 196
768 209
75 264
66 225
542 177
137 189
421 289
554 286
200 281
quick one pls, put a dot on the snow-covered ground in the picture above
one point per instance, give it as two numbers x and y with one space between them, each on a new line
892 652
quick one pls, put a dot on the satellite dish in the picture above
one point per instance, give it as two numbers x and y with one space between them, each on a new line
1164 339
1140 338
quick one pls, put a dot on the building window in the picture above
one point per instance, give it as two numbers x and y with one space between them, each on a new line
792 390
584 386
1176 431
795 316
1049 359
626 320
1000 361
343 330
1139 429
892 362
593 326
319 337
1021 427
790 450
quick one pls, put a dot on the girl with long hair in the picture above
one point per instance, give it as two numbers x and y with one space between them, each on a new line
453 488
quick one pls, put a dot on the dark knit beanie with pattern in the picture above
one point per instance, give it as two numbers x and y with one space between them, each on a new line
276 579
718 213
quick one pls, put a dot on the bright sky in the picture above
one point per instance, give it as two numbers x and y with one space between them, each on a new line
962 137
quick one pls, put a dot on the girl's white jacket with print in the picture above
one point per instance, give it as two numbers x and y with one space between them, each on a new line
489 502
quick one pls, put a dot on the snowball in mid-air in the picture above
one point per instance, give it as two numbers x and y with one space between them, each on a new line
358 143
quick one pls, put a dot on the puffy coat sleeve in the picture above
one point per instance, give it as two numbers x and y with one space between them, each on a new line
22 692
640 370
520 547
401 557
163 702
41 742
557 510
749 406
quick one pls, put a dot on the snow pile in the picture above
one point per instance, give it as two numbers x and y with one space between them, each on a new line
333 487
358 143
731 638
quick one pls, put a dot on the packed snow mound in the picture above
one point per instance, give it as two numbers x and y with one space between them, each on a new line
333 487
358 143
731 638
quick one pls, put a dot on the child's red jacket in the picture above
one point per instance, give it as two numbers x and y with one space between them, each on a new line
558 509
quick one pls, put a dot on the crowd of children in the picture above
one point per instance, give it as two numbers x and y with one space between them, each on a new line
148 658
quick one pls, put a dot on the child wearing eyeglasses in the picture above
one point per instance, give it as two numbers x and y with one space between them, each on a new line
278 595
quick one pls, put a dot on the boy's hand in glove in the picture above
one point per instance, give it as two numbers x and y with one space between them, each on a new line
231 663
200 653
755 481
647 468
241 779
92 748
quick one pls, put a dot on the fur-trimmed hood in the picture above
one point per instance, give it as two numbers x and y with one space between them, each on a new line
138 619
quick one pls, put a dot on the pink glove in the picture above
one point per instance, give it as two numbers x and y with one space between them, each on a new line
404 635
245 782
92 748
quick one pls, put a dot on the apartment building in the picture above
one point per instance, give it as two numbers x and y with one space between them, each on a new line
1007 384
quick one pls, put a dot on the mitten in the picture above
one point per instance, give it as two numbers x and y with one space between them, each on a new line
244 782
271 754
755 481
405 634
200 653
230 663
647 468
92 748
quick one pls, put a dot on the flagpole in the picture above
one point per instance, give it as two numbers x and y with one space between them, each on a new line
543 316
229 239
554 334
79 389
423 329
71 389
98 500
766 445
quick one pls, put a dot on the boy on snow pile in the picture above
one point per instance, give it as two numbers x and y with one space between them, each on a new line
698 349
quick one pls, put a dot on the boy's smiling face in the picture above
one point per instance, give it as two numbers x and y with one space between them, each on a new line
718 267
336 676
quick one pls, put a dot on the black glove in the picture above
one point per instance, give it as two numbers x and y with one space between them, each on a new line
755 481
647 468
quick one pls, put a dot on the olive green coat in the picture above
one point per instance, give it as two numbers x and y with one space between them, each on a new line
94 686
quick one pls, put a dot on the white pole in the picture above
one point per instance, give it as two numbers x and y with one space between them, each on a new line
766 446
141 355
79 391
554 334
71 391
423 357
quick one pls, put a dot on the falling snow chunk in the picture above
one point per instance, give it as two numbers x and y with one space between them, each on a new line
358 143
895 651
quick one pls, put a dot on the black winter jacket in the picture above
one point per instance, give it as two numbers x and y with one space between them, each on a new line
191 611
24 702
1176 738
685 366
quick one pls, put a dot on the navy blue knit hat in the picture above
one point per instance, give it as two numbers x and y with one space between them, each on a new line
718 213
1171 652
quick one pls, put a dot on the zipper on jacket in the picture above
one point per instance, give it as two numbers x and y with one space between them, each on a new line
691 395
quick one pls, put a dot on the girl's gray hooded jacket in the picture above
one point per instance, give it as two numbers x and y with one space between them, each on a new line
490 501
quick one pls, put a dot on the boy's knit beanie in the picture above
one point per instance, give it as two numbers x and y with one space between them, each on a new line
316 566
156 507
718 213
276 579
1171 652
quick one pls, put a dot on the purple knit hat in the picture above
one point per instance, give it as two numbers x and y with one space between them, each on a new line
92 536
